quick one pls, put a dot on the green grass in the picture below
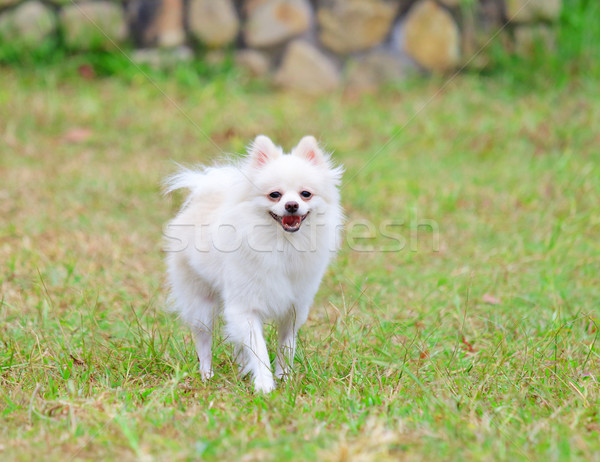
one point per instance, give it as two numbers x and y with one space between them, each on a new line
476 340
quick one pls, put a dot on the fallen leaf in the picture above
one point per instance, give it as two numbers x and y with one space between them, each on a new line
593 427
591 328
57 410
86 71
424 355
489 298
77 135
77 361
467 346
224 135
10 139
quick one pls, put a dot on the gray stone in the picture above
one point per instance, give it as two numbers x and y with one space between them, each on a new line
254 62
169 24
377 67
450 3
27 25
93 25
161 58
272 22
215 57
430 36
306 69
4 3
64 2
214 23
533 10
347 26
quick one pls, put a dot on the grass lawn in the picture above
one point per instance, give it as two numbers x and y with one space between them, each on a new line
465 328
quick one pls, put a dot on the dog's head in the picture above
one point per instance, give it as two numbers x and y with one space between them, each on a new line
292 187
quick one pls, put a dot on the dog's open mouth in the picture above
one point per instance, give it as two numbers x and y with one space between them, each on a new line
289 223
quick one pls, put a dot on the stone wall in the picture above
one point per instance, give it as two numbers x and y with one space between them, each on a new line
308 45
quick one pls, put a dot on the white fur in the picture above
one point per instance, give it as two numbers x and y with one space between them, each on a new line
227 255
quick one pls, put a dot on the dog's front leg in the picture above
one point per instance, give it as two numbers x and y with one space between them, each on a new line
285 354
203 342
246 332
288 331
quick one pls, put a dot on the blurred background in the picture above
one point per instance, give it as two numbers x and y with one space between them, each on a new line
307 45
460 318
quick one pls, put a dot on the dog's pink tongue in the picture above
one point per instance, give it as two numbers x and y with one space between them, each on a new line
291 220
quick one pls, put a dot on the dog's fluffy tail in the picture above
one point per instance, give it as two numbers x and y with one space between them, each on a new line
204 182
185 178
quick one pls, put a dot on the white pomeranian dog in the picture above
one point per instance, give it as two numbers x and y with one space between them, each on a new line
251 243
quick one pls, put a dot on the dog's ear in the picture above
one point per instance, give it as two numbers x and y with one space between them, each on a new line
308 148
262 150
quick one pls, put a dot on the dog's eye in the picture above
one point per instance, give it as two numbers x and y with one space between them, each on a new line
306 194
275 195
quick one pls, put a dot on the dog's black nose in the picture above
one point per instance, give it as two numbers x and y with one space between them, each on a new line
291 206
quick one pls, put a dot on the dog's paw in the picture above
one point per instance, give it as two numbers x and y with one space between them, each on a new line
206 374
282 374
266 385
283 370
243 365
